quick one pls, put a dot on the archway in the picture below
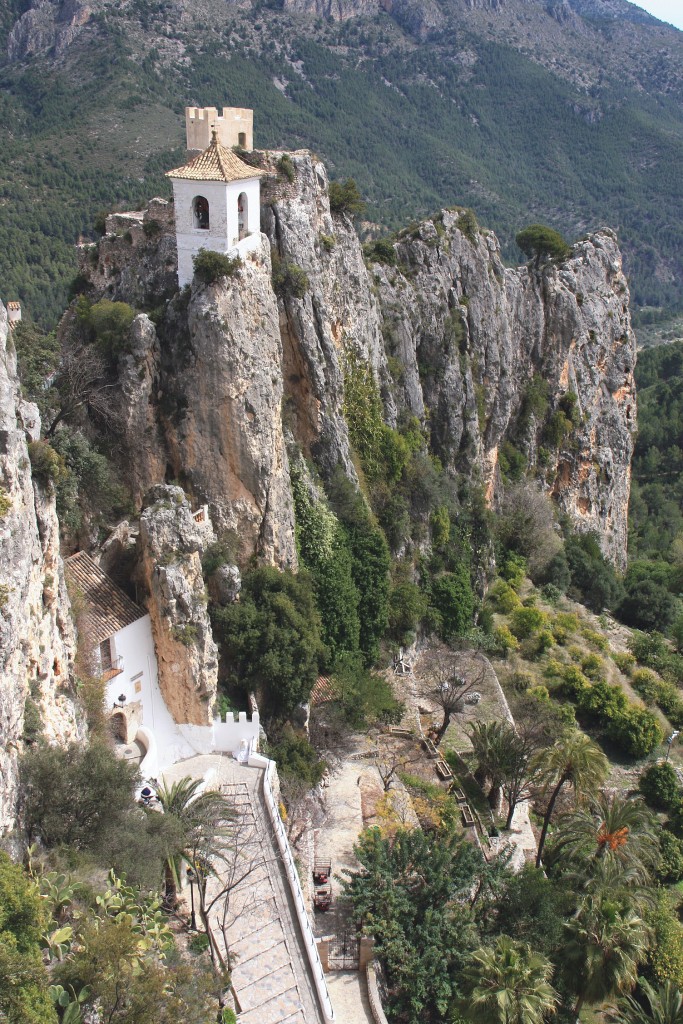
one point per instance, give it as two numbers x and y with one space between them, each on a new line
242 216
119 727
200 212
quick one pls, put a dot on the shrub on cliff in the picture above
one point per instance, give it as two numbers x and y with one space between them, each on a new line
289 280
345 197
541 243
210 267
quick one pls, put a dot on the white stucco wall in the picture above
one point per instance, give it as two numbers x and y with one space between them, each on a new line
222 233
169 741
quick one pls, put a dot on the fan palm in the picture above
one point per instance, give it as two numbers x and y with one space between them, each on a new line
612 828
491 743
606 942
573 759
664 1006
202 817
511 984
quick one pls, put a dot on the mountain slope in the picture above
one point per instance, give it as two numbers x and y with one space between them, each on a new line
566 112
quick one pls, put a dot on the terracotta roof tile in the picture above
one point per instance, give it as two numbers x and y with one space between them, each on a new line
107 608
323 691
216 163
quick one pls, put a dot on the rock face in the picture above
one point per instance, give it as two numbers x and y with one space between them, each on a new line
36 635
170 546
46 25
472 336
338 313
202 402
208 397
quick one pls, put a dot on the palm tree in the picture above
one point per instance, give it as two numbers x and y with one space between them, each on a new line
665 1006
612 828
511 984
623 884
605 945
202 818
491 743
574 759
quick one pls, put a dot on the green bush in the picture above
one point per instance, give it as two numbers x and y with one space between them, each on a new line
593 666
670 866
624 661
110 322
526 621
670 701
659 785
5 503
297 759
381 251
47 465
503 597
210 267
514 570
73 795
453 599
289 280
636 730
285 166
542 243
646 685
345 198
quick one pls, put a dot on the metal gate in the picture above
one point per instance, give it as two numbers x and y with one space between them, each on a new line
344 951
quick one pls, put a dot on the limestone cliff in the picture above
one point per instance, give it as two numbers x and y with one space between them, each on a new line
36 634
199 400
208 397
470 336
170 546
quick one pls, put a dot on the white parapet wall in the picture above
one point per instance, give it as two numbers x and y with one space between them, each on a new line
270 786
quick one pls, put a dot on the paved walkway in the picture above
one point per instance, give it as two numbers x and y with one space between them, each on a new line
349 994
270 975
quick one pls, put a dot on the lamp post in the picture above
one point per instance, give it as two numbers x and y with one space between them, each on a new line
669 742
192 878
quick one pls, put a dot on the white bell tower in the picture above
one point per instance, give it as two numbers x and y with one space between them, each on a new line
217 201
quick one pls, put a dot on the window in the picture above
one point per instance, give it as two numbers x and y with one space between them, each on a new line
106 655
242 139
242 216
200 211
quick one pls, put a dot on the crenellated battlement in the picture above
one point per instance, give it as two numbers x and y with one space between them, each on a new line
234 127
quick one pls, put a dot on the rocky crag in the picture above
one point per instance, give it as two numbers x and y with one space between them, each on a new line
208 397
214 385
37 643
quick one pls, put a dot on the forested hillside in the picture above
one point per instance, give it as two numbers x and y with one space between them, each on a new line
483 119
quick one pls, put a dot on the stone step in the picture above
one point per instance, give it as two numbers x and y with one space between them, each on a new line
277 984
279 1007
270 960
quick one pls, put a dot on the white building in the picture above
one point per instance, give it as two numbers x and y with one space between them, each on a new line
217 201
118 634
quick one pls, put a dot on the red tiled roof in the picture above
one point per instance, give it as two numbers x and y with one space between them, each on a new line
107 608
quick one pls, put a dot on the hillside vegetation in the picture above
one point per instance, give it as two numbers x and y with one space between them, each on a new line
520 133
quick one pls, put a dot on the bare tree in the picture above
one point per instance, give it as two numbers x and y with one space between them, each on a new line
232 878
391 760
453 676
81 383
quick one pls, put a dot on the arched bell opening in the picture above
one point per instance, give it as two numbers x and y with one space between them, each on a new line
200 212
242 216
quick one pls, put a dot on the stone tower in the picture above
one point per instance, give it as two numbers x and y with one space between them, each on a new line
217 201
234 127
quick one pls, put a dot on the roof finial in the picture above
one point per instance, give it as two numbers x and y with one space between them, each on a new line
214 133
